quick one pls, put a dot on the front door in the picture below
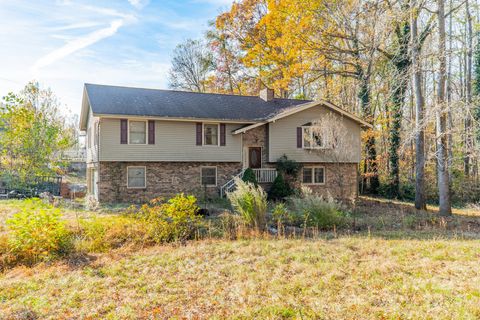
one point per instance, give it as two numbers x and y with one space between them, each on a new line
254 157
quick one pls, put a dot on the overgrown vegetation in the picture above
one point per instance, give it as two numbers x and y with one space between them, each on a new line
250 202
376 246
317 211
249 176
37 233
174 220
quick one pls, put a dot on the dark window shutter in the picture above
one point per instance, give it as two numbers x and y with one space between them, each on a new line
151 131
123 131
299 137
199 133
222 134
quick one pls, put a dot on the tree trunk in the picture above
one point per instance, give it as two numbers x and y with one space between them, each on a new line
468 89
420 200
449 94
401 63
442 147
370 152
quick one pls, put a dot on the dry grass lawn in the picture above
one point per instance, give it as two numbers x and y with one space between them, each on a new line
344 278
393 263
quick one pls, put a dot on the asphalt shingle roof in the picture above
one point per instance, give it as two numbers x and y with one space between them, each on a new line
116 100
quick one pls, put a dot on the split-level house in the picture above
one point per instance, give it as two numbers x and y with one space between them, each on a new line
146 143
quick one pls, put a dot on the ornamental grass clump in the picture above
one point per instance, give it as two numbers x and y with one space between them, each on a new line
317 211
250 202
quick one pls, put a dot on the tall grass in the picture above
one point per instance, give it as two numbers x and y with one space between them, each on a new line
250 202
318 211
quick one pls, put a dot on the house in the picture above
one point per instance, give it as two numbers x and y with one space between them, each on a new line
145 143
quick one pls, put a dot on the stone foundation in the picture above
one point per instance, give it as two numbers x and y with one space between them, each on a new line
341 180
164 179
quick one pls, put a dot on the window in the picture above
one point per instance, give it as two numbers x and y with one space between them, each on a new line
137 132
312 138
210 134
209 176
315 175
136 177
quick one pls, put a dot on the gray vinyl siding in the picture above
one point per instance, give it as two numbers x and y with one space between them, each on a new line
283 139
174 141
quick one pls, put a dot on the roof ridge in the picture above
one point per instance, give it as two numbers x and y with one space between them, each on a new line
190 92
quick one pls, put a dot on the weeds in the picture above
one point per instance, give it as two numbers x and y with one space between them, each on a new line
173 221
250 202
37 233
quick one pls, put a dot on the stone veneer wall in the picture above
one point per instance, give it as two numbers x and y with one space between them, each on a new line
163 179
341 180
257 137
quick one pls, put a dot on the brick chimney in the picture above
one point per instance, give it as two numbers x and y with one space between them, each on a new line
267 94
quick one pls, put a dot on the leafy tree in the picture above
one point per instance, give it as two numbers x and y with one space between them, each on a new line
191 65
33 132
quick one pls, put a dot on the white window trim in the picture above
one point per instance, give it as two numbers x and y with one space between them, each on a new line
203 134
146 133
313 176
216 176
311 140
145 177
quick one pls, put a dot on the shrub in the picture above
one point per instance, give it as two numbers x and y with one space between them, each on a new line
280 188
249 176
250 202
101 234
37 233
288 167
174 220
317 211
91 203
281 214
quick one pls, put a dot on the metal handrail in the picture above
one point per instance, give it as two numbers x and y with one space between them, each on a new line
230 183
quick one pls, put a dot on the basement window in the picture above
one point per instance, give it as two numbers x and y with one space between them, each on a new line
208 176
313 175
136 177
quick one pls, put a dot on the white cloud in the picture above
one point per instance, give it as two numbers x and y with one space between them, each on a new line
78 44
80 25
138 4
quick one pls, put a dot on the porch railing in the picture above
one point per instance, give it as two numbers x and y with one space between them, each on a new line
265 175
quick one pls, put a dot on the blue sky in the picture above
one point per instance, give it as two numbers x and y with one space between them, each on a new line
64 44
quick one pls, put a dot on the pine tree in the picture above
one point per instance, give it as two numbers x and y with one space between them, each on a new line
249 176
280 188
